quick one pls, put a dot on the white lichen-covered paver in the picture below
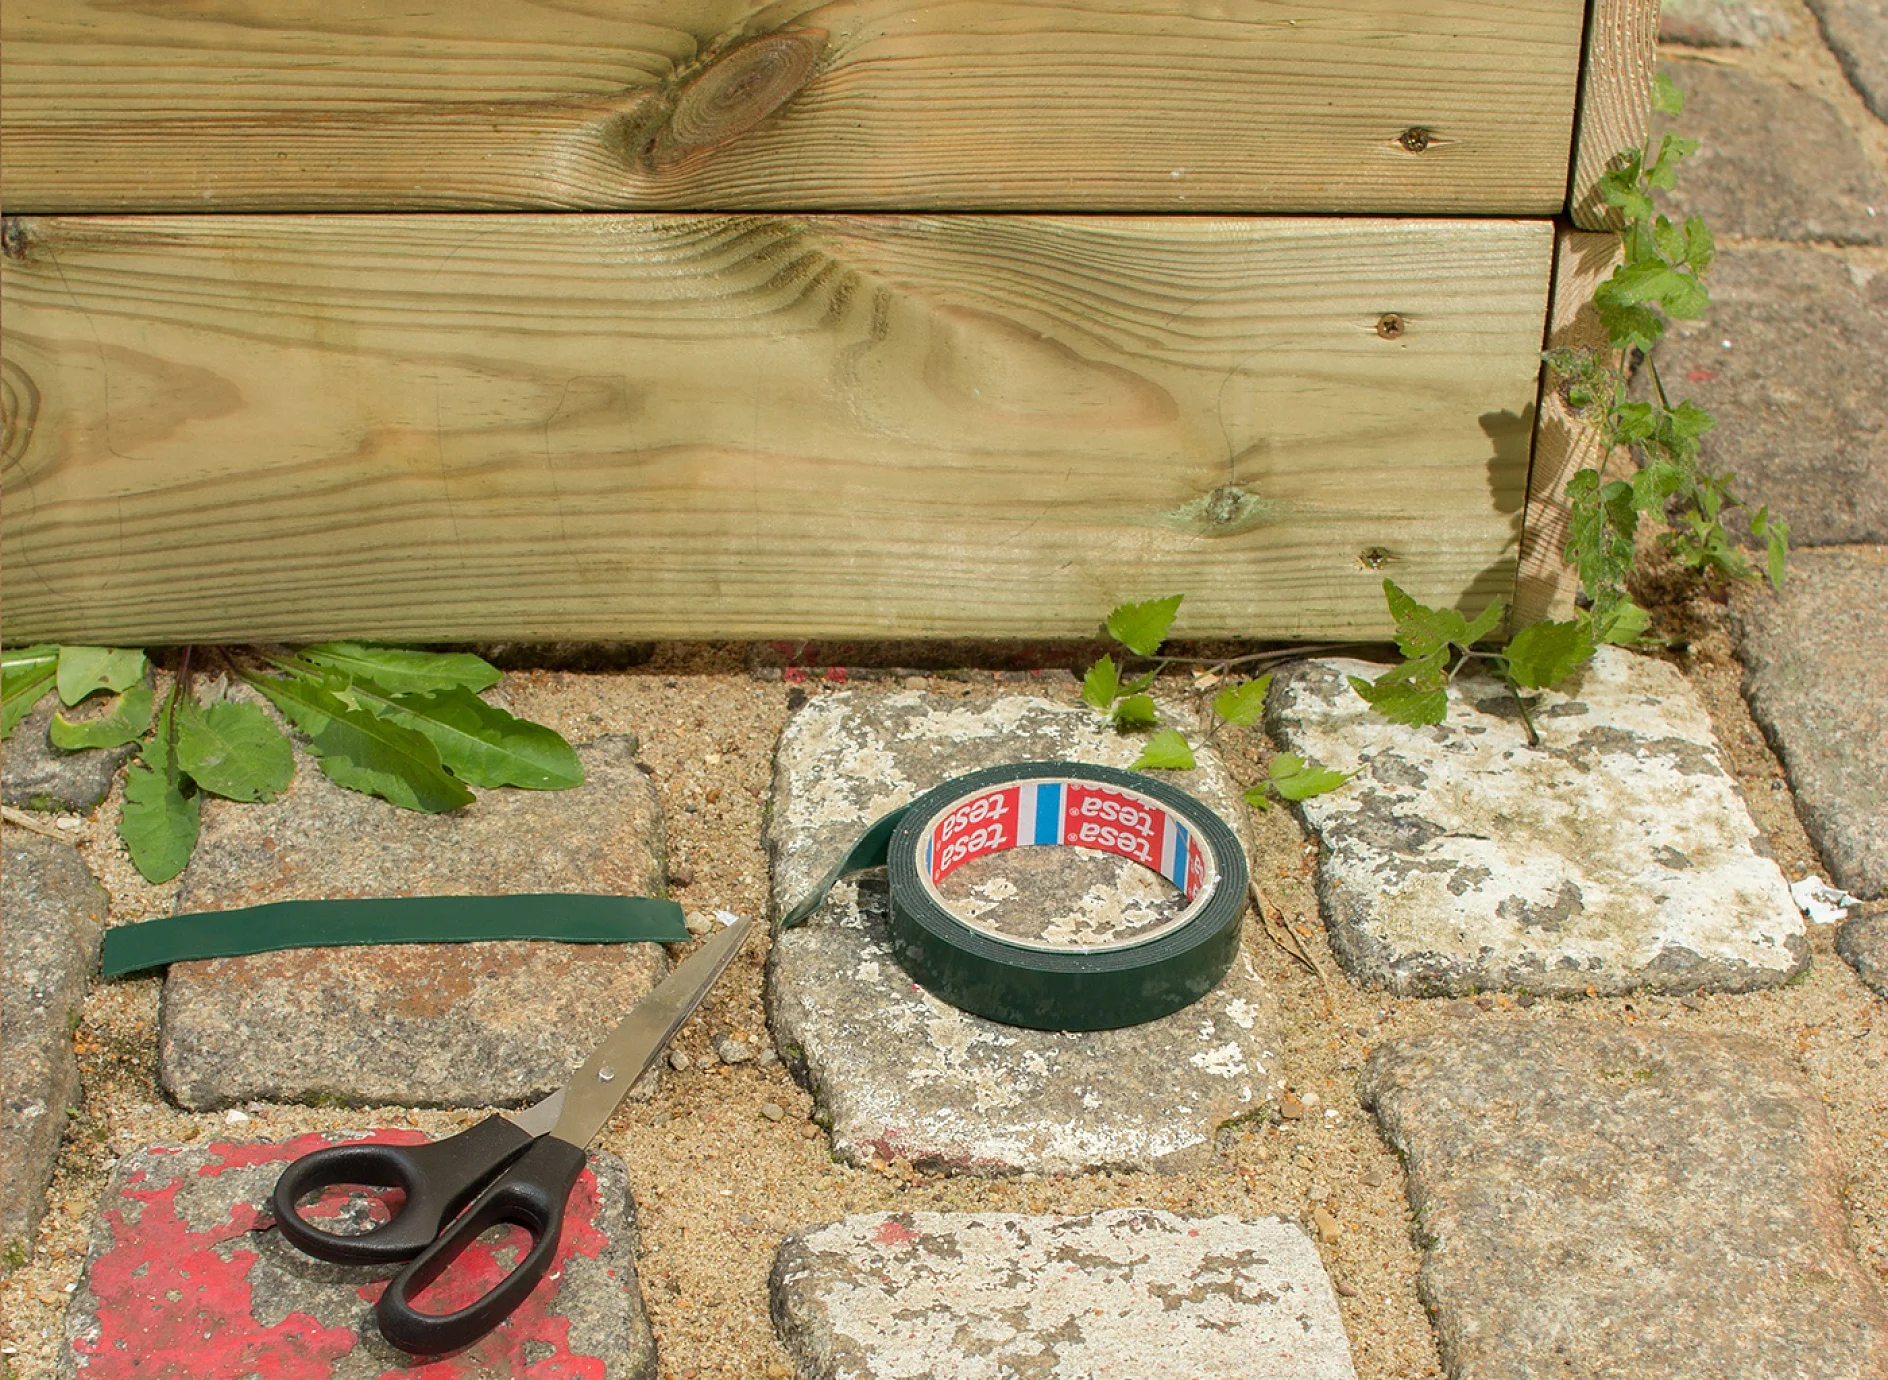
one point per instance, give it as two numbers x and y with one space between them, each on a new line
1619 854
902 1074
1128 1293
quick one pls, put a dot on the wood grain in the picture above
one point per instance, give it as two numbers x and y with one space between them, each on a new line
694 105
1615 100
619 427
1544 584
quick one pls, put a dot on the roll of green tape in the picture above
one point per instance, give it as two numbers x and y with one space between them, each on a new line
1039 983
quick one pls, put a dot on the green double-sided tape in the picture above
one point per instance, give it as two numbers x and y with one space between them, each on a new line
1044 985
569 918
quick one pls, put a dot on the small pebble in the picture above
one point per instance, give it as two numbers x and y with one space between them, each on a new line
1461 1009
680 876
773 1111
768 1058
1486 1003
699 922
732 1051
808 1131
1525 1000
1692 1003
776 1371
1289 1107
1328 1230
662 1118
1345 1289
678 1060
1372 1177
915 682
235 1116
1310 1099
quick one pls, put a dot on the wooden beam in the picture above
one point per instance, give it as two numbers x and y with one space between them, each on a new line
573 426
1622 39
1544 584
1323 106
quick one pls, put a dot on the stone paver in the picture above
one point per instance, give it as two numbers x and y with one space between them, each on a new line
1790 362
35 775
411 1024
1607 1202
1817 682
184 1277
1720 23
1857 31
1776 163
1617 855
1127 1293
901 1073
53 916
1863 941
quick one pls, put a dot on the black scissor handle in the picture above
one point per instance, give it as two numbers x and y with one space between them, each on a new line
531 1194
437 1178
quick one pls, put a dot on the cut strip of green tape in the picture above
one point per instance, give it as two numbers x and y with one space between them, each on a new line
567 918
863 856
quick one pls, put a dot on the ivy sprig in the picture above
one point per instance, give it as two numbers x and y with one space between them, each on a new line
1140 631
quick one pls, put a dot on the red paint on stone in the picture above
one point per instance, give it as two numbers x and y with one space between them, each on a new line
210 1330
891 1233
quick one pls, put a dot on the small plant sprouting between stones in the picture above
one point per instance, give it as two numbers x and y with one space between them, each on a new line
407 726
1141 630
1660 279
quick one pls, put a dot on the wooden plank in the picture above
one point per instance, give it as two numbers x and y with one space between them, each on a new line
590 426
1149 105
1615 100
1544 584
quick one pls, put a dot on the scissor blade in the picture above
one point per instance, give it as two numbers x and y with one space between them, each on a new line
634 1046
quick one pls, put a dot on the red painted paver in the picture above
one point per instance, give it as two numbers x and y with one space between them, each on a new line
186 1277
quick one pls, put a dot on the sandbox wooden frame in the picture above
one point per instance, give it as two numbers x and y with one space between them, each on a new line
794 321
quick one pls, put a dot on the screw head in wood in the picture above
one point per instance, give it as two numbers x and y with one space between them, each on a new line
1390 326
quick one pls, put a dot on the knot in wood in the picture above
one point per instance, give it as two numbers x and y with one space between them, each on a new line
735 92
1415 138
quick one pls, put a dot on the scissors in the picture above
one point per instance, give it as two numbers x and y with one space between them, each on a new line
514 1167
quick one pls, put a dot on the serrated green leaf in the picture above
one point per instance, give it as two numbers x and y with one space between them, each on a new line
1134 712
1256 797
1297 779
86 670
26 674
1625 623
1667 99
234 750
1421 630
1167 750
1701 247
1102 685
158 822
1403 703
1688 421
1141 628
482 744
402 670
1421 673
363 752
1774 532
1484 622
1243 704
124 722
1139 683
1543 654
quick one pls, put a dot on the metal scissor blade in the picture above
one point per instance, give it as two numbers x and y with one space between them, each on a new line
633 1047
